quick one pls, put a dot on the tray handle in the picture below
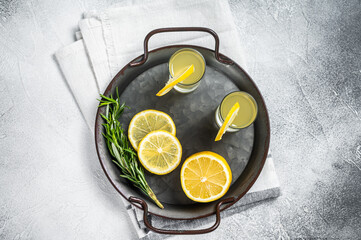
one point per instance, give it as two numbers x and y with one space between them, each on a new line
180 232
181 29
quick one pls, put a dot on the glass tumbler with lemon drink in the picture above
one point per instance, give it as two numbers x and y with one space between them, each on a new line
237 110
180 61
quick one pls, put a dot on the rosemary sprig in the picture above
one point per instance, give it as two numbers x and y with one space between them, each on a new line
120 148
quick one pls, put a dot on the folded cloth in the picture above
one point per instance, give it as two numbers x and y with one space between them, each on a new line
108 40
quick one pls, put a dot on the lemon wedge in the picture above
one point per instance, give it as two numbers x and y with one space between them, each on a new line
228 121
160 152
205 176
147 121
174 81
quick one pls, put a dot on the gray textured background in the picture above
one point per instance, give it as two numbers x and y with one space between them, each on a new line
305 58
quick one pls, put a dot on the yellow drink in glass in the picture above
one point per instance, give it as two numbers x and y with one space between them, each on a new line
246 114
180 61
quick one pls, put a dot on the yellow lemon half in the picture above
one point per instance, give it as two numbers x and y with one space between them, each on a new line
205 176
147 121
160 152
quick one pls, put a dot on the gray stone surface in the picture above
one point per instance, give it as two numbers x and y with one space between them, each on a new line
303 55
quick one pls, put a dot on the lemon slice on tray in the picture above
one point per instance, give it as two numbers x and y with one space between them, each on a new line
205 176
174 81
228 121
160 152
147 121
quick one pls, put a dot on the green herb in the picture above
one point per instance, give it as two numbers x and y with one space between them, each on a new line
120 148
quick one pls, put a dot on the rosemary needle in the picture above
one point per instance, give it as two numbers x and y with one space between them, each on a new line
120 148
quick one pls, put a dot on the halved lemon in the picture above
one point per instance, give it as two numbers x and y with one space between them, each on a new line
228 121
160 152
174 81
147 121
205 176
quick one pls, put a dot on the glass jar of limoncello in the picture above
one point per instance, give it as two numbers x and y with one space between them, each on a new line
247 112
180 61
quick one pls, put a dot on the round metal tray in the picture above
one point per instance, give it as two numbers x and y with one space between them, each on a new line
193 114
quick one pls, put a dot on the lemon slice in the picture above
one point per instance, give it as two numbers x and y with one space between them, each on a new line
147 121
174 81
205 176
160 152
228 121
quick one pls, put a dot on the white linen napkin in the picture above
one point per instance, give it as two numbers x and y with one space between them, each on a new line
108 40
